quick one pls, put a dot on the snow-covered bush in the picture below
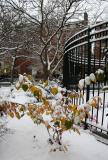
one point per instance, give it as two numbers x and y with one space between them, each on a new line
55 108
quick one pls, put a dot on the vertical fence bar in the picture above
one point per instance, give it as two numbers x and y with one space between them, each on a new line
89 64
93 70
105 54
99 58
88 72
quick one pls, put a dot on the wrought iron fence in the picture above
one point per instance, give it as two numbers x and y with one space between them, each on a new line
85 52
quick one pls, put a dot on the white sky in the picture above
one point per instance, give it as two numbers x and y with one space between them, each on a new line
94 8
97 8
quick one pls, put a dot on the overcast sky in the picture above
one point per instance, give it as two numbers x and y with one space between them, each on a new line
96 9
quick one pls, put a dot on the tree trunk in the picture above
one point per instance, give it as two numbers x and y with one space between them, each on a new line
12 69
46 73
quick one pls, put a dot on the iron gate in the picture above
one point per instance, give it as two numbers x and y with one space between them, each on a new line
85 52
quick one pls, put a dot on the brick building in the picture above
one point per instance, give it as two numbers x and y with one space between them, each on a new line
33 65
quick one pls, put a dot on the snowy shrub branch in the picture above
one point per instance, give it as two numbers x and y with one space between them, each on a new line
55 107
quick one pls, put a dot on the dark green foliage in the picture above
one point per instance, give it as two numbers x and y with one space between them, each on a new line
100 77
57 123
25 87
68 124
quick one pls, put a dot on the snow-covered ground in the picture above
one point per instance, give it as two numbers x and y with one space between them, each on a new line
27 141
100 111
20 144
14 95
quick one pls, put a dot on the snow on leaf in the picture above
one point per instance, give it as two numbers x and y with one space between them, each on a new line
92 77
21 78
18 85
105 88
99 71
87 80
81 84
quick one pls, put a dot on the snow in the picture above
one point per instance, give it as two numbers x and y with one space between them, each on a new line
21 78
22 97
27 141
17 96
81 83
92 77
99 71
105 88
87 80
46 117
105 121
58 96
100 110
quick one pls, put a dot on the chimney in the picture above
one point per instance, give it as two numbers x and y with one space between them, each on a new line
85 18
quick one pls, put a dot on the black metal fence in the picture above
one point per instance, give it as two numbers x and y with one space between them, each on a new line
85 52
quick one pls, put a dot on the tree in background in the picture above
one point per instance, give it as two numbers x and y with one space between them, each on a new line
48 19
38 26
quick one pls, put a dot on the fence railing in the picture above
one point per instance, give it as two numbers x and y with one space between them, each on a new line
85 52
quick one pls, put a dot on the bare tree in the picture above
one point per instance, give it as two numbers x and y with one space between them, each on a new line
47 20
13 34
